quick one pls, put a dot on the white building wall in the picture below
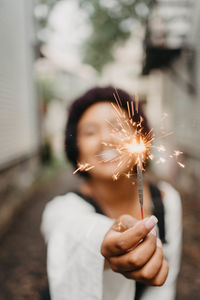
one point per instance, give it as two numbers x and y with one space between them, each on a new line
177 96
18 107
183 106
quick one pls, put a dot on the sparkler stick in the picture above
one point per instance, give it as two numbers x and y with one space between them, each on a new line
140 177
140 185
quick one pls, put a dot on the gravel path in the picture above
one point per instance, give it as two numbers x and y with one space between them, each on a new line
22 250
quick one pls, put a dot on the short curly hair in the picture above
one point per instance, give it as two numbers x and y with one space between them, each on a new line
80 105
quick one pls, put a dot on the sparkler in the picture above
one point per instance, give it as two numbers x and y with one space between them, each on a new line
140 178
132 145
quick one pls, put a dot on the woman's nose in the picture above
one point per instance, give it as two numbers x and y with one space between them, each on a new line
105 135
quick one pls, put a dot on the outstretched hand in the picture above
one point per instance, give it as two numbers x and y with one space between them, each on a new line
132 248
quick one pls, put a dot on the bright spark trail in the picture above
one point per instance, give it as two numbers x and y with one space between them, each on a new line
133 146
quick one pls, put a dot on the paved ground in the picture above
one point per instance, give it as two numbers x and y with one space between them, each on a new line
22 250
189 279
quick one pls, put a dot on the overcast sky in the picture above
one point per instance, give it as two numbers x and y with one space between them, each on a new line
70 28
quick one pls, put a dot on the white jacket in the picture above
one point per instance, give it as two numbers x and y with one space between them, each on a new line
74 233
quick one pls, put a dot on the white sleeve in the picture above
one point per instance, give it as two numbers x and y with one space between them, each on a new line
74 233
172 248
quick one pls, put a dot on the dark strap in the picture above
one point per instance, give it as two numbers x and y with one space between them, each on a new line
90 201
45 294
158 210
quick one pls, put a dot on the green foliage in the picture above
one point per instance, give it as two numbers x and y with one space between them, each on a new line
111 23
49 3
46 89
106 32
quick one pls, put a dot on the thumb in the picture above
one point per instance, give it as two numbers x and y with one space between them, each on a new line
124 222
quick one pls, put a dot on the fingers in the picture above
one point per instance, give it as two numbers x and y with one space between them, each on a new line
154 272
161 277
117 243
135 258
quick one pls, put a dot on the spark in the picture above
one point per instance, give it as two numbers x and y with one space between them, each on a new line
164 116
161 148
177 153
115 177
134 147
129 146
180 164
161 160
83 167
128 175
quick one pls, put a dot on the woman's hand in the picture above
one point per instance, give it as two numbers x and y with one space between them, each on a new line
132 249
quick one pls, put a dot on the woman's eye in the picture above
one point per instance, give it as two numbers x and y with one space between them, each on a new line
89 133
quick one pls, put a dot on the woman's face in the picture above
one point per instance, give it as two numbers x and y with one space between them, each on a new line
95 129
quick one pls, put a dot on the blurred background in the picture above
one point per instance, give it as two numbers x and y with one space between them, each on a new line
51 51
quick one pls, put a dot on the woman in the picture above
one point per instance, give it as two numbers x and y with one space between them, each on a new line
97 247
